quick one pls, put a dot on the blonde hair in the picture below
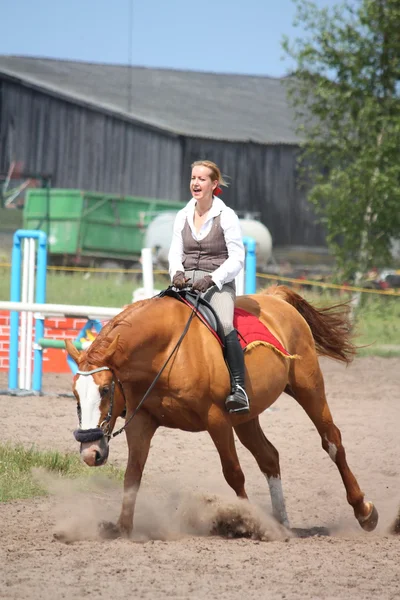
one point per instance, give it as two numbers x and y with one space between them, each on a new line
215 171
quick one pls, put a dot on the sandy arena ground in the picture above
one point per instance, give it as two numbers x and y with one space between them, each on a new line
172 554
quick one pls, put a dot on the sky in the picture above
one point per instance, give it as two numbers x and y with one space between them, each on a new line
224 36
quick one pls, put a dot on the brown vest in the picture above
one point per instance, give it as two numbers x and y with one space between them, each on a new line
207 254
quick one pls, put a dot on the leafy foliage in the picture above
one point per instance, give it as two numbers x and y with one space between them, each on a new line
345 92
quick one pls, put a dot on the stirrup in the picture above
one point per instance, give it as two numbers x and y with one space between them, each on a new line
237 402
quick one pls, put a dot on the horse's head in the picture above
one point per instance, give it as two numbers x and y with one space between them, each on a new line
100 400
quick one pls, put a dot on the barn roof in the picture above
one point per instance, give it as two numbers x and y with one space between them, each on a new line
199 104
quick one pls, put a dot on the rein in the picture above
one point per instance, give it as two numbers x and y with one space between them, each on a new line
89 435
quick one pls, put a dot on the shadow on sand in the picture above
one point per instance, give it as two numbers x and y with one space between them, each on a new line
308 532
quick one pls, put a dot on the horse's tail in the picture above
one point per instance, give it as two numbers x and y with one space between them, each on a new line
331 327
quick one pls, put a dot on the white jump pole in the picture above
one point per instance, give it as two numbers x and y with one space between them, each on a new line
239 281
147 271
24 316
31 294
147 290
64 310
27 295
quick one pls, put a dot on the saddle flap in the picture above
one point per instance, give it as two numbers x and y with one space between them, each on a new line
204 309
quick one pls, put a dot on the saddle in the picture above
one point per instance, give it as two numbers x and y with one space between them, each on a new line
251 331
204 310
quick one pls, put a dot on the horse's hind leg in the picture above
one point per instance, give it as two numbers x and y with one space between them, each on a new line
309 391
252 437
220 429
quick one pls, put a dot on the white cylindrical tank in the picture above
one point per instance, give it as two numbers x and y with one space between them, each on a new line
159 236
262 237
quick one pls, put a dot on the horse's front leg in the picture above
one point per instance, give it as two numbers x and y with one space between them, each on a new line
139 434
220 429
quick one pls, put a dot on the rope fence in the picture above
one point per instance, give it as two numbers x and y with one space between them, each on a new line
323 284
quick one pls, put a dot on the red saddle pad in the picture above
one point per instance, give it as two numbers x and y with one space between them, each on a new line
252 330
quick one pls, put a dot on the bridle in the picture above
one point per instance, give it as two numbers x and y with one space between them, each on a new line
91 435
103 430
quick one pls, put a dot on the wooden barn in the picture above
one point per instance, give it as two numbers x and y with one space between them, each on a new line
136 131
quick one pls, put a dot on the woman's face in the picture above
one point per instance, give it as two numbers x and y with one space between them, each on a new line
201 185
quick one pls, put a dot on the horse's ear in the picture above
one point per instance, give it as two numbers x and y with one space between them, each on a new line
72 351
111 349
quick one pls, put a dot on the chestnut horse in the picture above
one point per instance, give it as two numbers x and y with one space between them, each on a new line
187 384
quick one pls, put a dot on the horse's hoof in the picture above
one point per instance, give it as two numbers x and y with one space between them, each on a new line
109 531
369 523
395 529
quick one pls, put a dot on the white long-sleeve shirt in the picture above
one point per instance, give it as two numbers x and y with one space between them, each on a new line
232 233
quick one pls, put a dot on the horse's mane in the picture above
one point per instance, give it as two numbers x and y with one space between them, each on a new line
95 353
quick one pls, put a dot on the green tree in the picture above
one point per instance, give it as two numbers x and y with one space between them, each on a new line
345 92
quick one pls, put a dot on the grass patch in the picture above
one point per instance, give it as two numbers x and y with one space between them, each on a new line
17 480
377 325
378 322
90 289
86 287
381 351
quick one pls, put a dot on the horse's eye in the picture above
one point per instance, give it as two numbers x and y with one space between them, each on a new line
104 391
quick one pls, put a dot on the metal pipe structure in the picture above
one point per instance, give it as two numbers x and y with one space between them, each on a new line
250 284
28 286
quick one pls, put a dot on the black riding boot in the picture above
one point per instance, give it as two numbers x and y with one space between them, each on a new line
237 401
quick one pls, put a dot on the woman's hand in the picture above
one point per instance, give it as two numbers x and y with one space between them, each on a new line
202 285
179 280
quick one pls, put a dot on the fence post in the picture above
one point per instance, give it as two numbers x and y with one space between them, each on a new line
147 272
250 267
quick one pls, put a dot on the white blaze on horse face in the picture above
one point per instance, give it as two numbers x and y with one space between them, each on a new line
89 397
277 500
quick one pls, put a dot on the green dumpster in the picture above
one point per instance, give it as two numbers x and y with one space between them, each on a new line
89 227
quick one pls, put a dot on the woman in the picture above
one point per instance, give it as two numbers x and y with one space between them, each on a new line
207 252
